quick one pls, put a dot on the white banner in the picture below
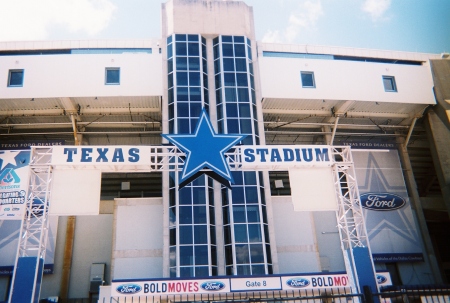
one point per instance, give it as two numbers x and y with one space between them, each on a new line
288 156
101 155
254 284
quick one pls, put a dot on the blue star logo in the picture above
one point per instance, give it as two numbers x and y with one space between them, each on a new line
205 149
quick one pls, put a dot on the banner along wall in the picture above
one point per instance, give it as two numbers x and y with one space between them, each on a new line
387 210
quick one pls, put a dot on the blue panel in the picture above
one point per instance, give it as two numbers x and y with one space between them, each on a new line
24 280
364 268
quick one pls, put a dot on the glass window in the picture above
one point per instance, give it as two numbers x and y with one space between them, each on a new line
389 84
227 50
229 79
182 63
239 50
241 65
308 79
227 39
194 63
193 49
15 77
182 78
239 39
186 234
112 75
181 49
228 64
194 79
242 79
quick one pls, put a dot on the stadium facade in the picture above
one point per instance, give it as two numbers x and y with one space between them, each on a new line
288 108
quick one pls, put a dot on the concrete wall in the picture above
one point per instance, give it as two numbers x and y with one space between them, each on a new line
138 238
345 80
77 75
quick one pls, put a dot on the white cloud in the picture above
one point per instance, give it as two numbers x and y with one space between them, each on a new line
305 18
376 8
33 20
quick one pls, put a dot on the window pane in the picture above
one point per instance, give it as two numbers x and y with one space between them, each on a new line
227 50
194 78
186 272
253 214
239 214
182 109
112 76
243 95
186 235
242 256
181 63
192 37
227 38
246 126
182 93
244 110
228 64
239 50
182 78
256 253
241 65
240 233
389 84
185 214
307 79
199 214
200 234
232 110
230 94
239 39
194 63
193 49
179 37
254 233
229 79
242 79
181 49
195 95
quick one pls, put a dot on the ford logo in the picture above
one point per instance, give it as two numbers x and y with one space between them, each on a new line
297 282
382 201
129 288
213 285
381 279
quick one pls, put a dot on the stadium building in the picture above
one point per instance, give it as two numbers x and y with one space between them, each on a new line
207 164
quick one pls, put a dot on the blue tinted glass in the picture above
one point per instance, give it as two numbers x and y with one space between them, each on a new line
228 64
193 124
200 214
201 255
173 236
248 41
181 49
182 109
248 140
232 110
253 98
219 112
182 93
250 178
194 78
240 233
257 253
186 255
218 81
170 80
229 79
239 50
217 66
307 79
219 96
242 79
200 234
250 66
216 51
239 39
246 126
251 195
112 77
242 257
252 82
205 66
220 127
243 95
194 63
237 195
202 271
170 65
182 78
239 214
172 216
195 94
230 94
244 110
192 37
244 270
193 49
258 270
183 126
186 234
198 192
215 40
203 51
253 214
185 214
173 256
241 65
181 63
179 37
187 272
171 111
170 96
227 50
254 233
169 39
171 125
169 51
238 178
205 81
249 52
196 109
227 39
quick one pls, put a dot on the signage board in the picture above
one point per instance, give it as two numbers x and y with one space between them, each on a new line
255 283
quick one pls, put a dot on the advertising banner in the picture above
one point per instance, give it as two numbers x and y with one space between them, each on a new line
387 210
14 175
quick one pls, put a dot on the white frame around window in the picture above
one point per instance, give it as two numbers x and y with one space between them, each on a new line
389 81
15 71
106 75
312 78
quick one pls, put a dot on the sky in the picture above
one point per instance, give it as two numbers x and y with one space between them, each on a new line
403 25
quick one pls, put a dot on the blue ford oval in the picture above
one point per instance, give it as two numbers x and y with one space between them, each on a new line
129 288
381 279
297 282
212 285
382 201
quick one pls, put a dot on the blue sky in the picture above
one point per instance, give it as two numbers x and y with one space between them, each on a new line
405 25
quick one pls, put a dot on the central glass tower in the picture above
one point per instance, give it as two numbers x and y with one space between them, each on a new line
212 229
